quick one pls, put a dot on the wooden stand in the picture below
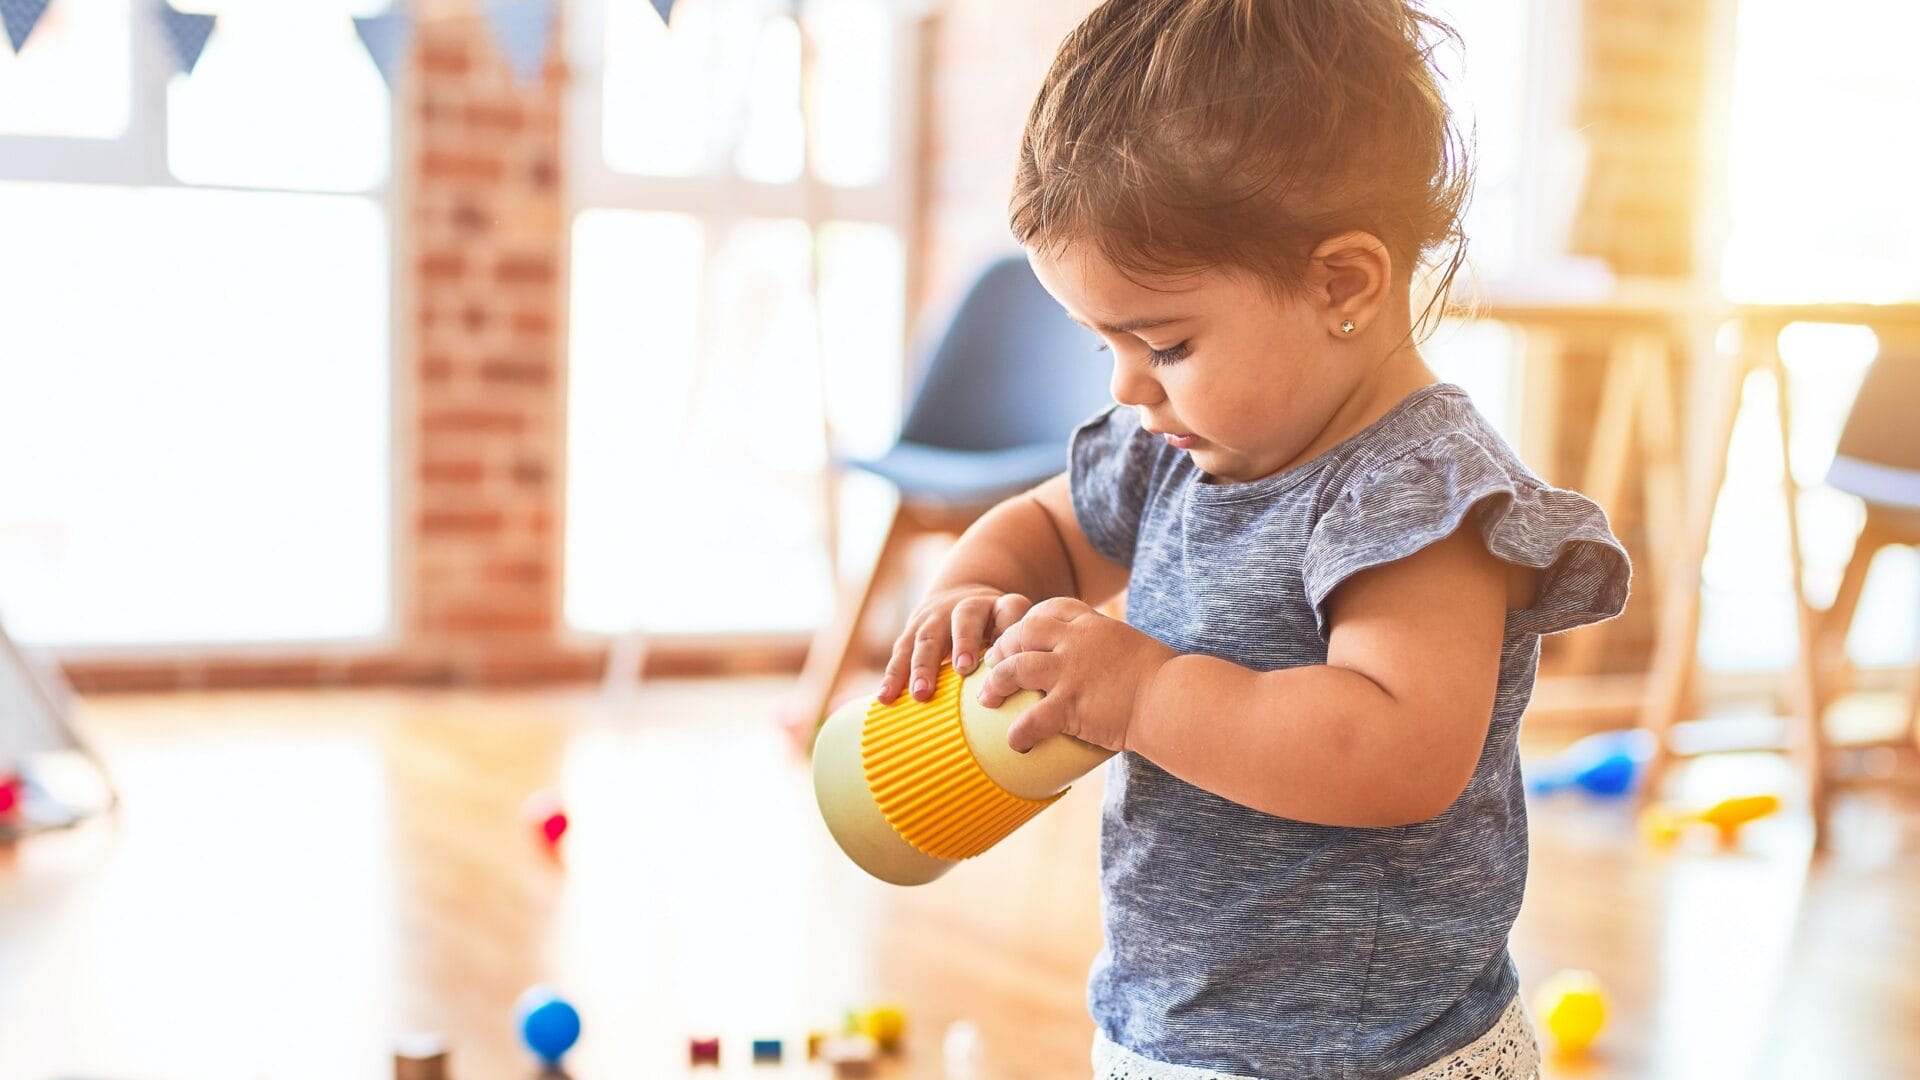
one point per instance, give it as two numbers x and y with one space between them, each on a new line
1643 322
1669 692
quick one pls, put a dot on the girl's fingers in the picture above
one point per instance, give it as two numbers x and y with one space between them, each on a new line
1010 608
1039 723
1033 633
929 648
969 626
1063 608
1021 671
895 679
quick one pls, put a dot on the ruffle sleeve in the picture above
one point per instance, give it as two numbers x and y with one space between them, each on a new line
1428 493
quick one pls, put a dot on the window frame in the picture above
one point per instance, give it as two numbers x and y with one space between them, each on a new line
137 158
720 200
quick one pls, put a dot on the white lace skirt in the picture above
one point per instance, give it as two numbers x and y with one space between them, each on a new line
1508 1051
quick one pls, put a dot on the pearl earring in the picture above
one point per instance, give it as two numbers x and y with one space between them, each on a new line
1346 326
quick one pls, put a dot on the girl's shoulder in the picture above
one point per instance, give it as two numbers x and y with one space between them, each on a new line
1436 423
1433 466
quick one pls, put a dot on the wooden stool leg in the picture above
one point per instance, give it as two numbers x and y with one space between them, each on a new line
1664 492
831 652
1811 745
1676 640
1606 475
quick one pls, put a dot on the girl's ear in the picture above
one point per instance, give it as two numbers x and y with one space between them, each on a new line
1348 276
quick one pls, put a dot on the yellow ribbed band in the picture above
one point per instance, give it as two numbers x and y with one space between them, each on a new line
927 782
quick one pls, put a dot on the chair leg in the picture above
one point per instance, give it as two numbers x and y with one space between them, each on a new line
1832 624
831 652
1913 705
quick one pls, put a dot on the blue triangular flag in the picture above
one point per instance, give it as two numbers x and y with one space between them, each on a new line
188 32
386 38
21 16
665 8
523 29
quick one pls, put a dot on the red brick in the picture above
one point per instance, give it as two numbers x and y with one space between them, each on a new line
442 265
234 673
472 522
107 676
452 472
444 165
470 217
516 372
516 572
544 174
531 474
523 269
464 420
493 620
437 56
521 667
497 118
436 369
532 323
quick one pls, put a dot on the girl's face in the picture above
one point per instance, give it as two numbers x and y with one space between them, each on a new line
1245 382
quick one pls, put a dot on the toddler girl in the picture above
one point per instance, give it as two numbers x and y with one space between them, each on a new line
1313 842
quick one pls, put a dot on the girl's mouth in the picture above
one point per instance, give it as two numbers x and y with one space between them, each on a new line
1181 442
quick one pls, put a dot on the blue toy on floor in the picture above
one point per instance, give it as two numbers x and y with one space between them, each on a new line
1607 764
548 1025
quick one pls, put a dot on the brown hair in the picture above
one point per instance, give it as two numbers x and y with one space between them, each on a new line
1177 135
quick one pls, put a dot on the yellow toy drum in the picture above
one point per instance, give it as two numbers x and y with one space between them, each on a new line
910 788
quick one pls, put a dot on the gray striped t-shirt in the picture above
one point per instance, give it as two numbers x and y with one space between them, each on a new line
1254 945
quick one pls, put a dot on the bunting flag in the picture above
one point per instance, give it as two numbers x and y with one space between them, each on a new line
665 8
523 29
21 16
386 38
188 33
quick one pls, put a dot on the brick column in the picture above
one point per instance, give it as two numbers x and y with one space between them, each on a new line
485 203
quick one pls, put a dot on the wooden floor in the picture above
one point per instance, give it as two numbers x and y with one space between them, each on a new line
298 878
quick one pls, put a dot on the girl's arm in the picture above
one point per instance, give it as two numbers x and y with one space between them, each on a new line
1386 732
1027 548
1032 544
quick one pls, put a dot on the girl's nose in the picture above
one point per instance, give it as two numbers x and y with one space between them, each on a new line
1132 383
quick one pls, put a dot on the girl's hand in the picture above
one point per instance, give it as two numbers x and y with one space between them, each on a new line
966 617
1093 669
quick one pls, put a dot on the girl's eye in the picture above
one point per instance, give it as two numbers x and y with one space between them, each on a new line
1158 357
1162 357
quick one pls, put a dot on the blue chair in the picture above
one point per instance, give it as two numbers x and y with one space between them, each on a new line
1878 460
1006 382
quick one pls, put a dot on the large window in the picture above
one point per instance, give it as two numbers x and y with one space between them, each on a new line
709 379
194 329
1822 154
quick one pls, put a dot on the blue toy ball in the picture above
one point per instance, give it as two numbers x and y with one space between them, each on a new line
1606 764
548 1025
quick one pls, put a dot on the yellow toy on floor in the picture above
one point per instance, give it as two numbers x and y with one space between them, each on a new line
910 788
1572 1006
1663 824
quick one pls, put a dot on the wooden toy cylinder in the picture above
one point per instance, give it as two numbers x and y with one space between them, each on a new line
927 834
